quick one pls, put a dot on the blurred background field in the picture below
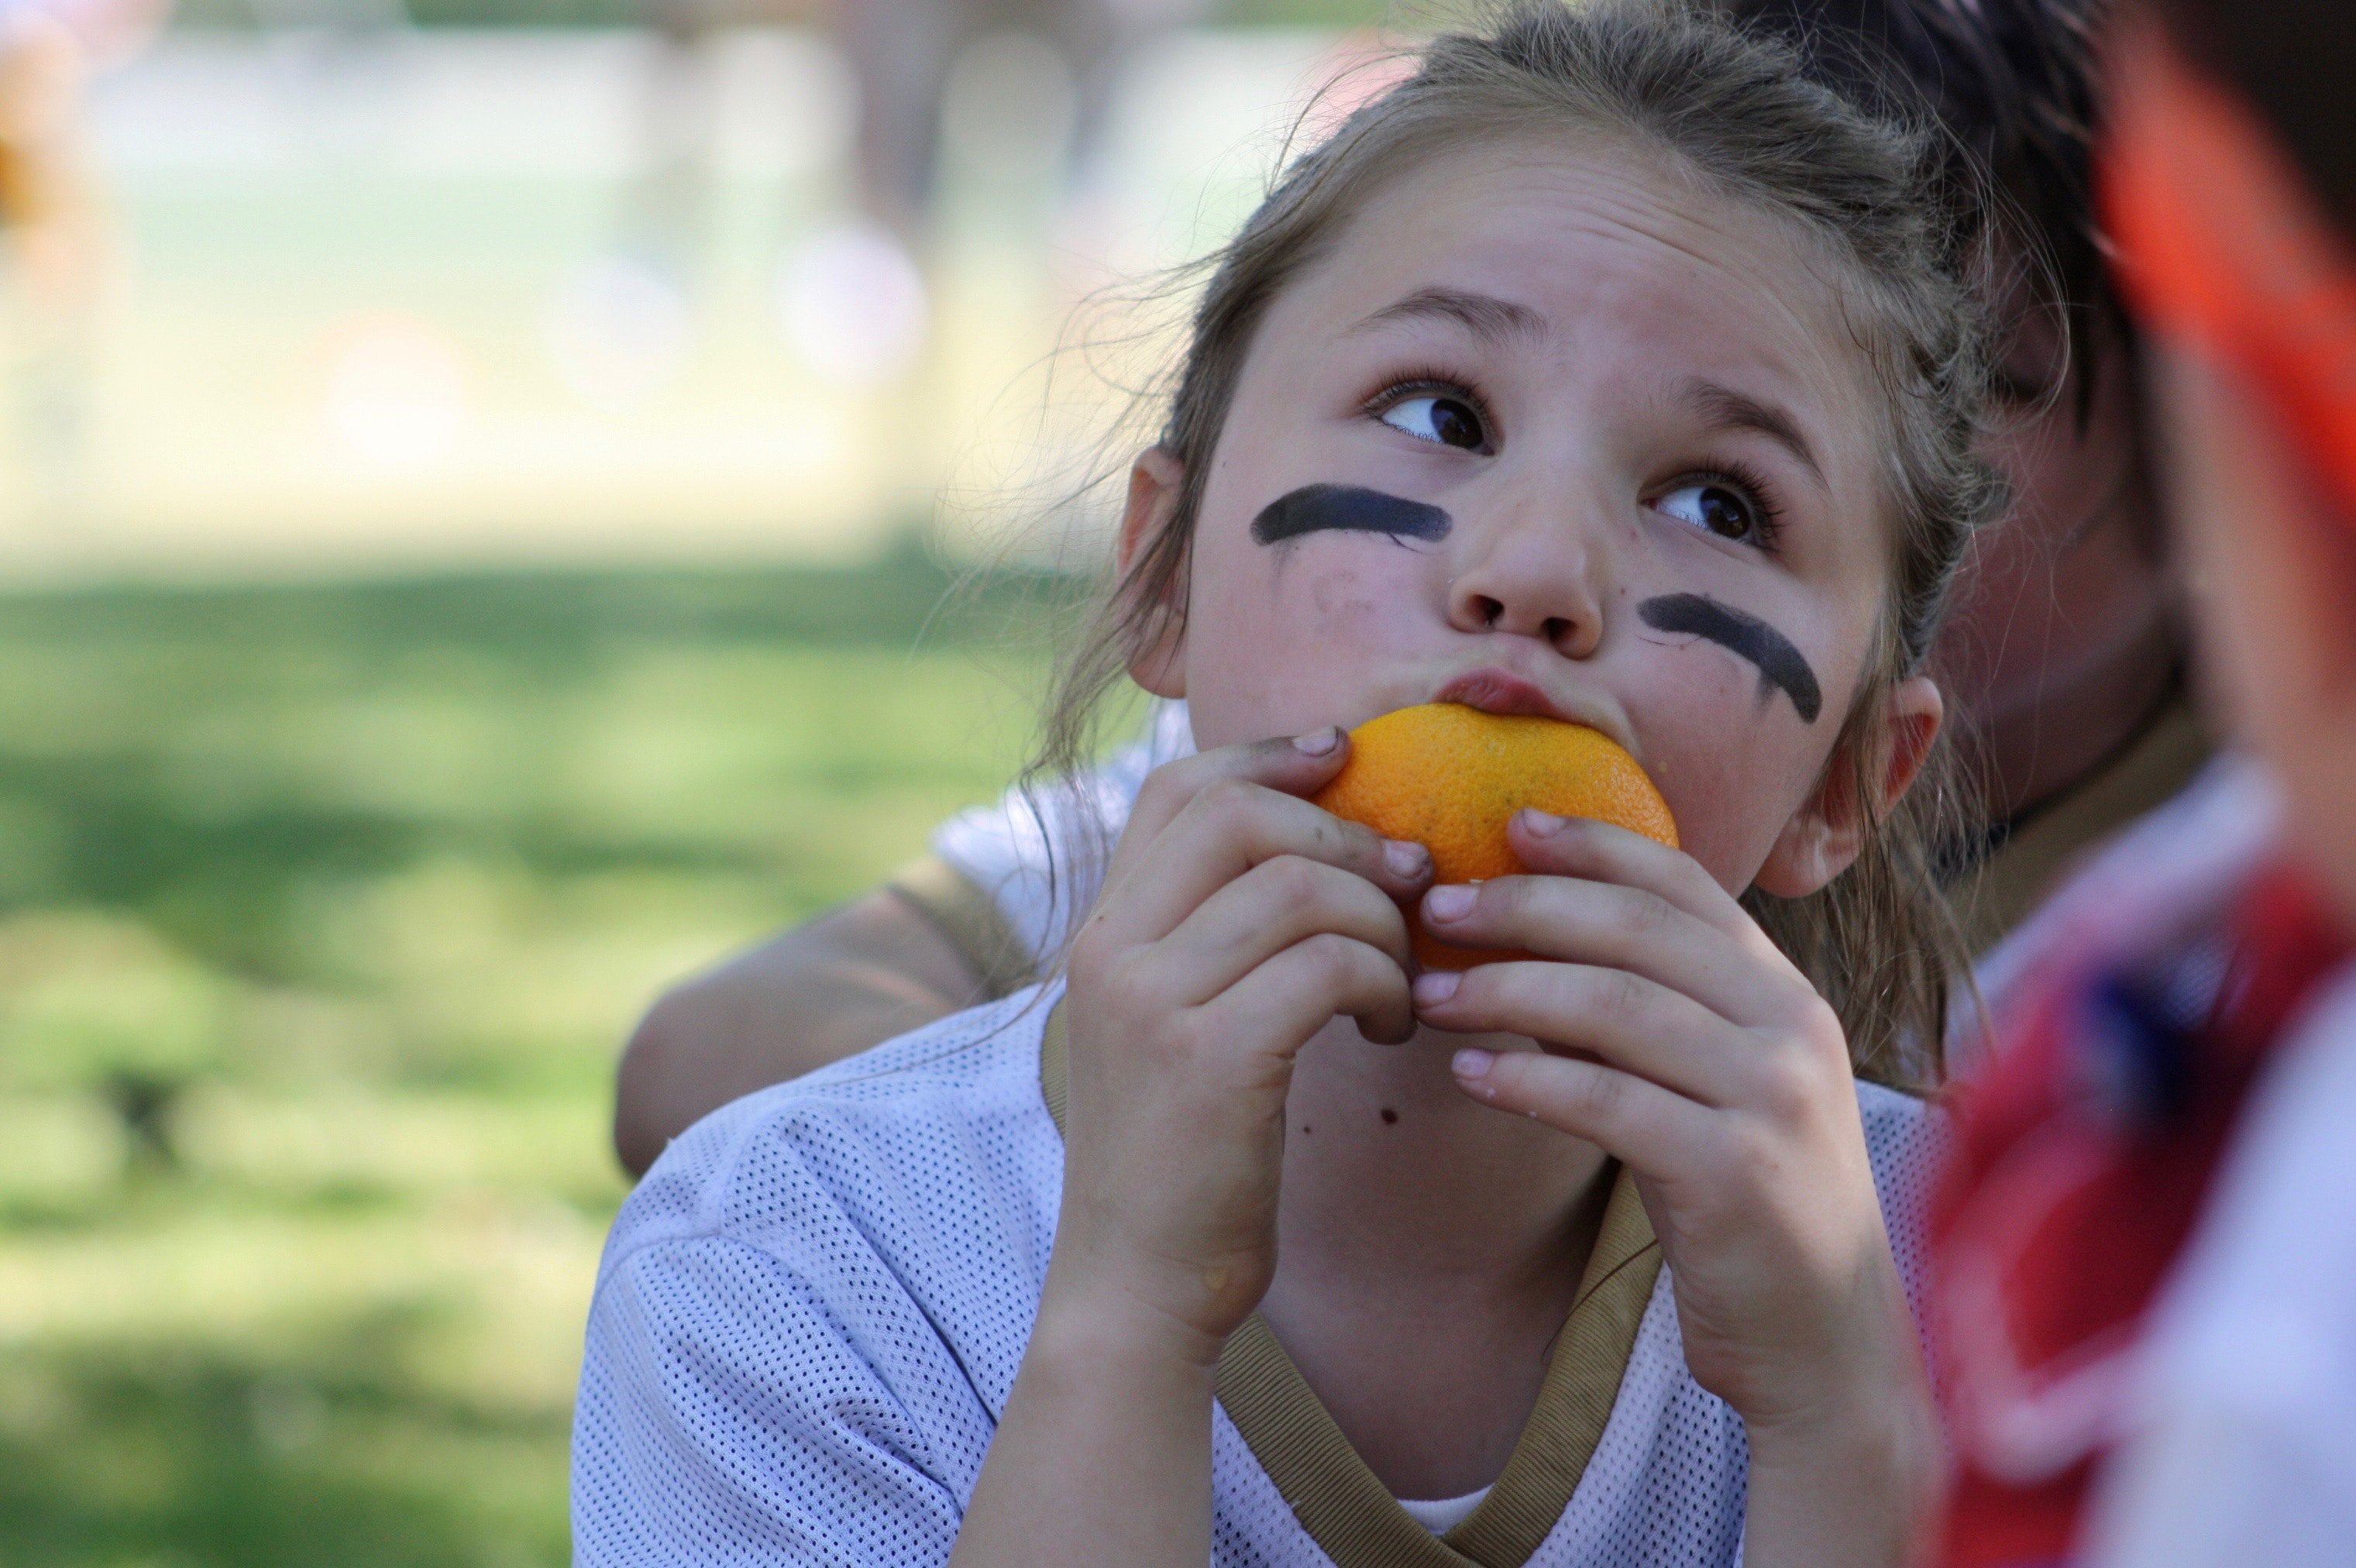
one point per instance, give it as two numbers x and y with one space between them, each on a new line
450 587
387 296
347 895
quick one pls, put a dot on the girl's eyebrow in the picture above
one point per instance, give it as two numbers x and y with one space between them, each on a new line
1723 408
1487 317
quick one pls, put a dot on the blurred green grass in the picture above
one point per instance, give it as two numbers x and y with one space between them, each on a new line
363 885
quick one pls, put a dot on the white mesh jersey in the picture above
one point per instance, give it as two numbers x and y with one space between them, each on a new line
811 1312
1039 854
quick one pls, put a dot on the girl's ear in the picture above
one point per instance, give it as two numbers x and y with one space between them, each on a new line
1156 481
1827 833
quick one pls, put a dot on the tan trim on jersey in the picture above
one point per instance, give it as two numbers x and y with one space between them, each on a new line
1338 1500
1582 1384
969 918
2014 880
1054 1065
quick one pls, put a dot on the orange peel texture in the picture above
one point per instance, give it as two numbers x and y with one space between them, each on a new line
1451 778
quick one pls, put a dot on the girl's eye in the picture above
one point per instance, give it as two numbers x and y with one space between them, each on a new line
1443 420
1719 509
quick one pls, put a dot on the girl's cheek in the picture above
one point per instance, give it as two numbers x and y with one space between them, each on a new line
1328 610
1342 604
1253 659
1733 770
1298 647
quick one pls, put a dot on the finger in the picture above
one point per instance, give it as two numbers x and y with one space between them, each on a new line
1229 826
1635 1025
1267 909
1653 1130
1298 766
1311 983
1605 853
1619 927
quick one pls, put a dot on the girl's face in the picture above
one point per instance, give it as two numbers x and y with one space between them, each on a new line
1553 431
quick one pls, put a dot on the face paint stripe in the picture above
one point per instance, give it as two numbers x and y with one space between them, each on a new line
1348 508
1779 663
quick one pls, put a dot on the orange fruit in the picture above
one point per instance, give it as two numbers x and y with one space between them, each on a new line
1451 778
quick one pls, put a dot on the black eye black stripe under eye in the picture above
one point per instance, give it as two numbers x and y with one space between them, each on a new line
1781 665
1348 508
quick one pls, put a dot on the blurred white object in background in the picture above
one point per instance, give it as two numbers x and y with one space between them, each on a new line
1008 111
618 331
396 392
58 249
855 304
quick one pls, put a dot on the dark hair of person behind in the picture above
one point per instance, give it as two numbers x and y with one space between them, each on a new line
2293 61
2012 83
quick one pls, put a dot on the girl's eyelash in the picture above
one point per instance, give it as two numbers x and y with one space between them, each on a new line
1737 475
1425 383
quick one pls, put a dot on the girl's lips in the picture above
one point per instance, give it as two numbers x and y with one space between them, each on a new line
1496 691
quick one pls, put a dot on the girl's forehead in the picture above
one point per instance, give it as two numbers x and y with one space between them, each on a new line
1596 194
1605 248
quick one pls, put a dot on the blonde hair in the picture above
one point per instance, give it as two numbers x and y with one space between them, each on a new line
1736 115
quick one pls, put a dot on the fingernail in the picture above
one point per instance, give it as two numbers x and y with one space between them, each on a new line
1405 858
1434 986
1318 742
1453 901
1473 1064
1542 824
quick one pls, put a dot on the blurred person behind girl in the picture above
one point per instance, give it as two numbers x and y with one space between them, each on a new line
2063 655
53 226
2146 1290
856 288
1605 315
2062 659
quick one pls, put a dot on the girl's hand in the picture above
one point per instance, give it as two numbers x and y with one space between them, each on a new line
1238 920
1679 1039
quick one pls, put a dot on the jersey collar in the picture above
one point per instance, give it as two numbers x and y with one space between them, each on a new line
1338 1500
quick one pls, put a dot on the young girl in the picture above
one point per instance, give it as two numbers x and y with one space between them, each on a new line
1602 328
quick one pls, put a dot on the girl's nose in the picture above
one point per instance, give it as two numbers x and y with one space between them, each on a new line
1537 580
